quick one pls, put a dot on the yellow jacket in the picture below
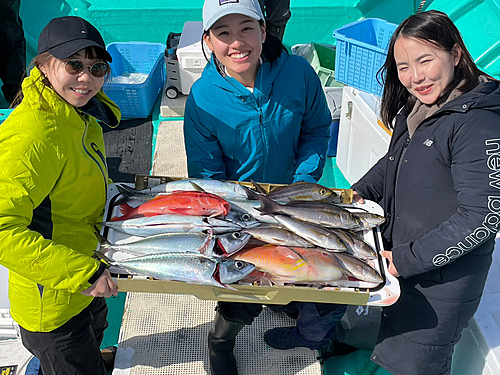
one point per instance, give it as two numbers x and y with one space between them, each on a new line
53 182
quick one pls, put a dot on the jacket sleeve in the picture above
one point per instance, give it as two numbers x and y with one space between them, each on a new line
28 172
204 155
475 155
371 185
314 131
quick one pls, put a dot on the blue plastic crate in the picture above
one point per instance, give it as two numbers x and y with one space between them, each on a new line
136 100
361 52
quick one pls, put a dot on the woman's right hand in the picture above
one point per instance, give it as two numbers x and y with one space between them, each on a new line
357 198
103 287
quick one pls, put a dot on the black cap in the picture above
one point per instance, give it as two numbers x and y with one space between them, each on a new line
65 36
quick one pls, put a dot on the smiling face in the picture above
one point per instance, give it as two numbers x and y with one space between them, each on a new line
424 69
76 89
237 41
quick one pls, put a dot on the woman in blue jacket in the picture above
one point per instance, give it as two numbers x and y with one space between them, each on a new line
438 185
256 113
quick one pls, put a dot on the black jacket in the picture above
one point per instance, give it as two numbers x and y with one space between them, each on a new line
440 191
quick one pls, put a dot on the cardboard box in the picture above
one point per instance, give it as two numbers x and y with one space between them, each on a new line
344 292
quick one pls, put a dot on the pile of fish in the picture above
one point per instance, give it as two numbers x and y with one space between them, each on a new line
219 233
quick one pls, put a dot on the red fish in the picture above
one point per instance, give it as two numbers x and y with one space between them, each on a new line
192 203
292 264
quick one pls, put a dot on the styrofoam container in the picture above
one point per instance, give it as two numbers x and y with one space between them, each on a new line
190 55
4 288
363 140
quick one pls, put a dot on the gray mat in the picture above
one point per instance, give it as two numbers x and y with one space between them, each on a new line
128 149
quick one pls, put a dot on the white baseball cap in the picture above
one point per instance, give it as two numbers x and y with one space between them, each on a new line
214 10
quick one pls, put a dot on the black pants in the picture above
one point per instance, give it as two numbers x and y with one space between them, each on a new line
315 321
73 348
12 48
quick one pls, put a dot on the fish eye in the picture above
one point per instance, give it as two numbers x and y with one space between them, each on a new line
323 191
236 235
239 264
245 217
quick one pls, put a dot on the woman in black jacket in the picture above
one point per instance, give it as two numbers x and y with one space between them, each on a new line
440 188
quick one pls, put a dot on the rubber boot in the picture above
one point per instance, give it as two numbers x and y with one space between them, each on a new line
221 340
108 355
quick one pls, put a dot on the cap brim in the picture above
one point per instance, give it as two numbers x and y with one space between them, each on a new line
68 49
210 22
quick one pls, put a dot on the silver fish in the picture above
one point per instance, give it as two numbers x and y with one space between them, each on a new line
181 242
241 218
251 207
358 269
322 213
148 226
188 267
369 220
277 236
164 243
303 191
224 189
355 245
230 243
313 233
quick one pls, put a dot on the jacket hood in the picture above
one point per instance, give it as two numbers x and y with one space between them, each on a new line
266 69
39 96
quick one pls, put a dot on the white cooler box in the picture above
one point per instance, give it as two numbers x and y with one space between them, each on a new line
190 55
4 288
363 140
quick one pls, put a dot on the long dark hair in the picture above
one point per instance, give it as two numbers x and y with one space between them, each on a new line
271 48
434 27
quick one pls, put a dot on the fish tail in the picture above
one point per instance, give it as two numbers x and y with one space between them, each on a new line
101 253
126 192
102 240
101 257
250 193
258 188
267 206
126 211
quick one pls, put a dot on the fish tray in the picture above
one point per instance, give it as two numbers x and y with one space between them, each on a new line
341 291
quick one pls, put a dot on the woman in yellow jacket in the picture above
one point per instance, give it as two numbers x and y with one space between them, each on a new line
53 182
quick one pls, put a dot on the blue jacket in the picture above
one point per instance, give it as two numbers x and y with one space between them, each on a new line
441 194
277 134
